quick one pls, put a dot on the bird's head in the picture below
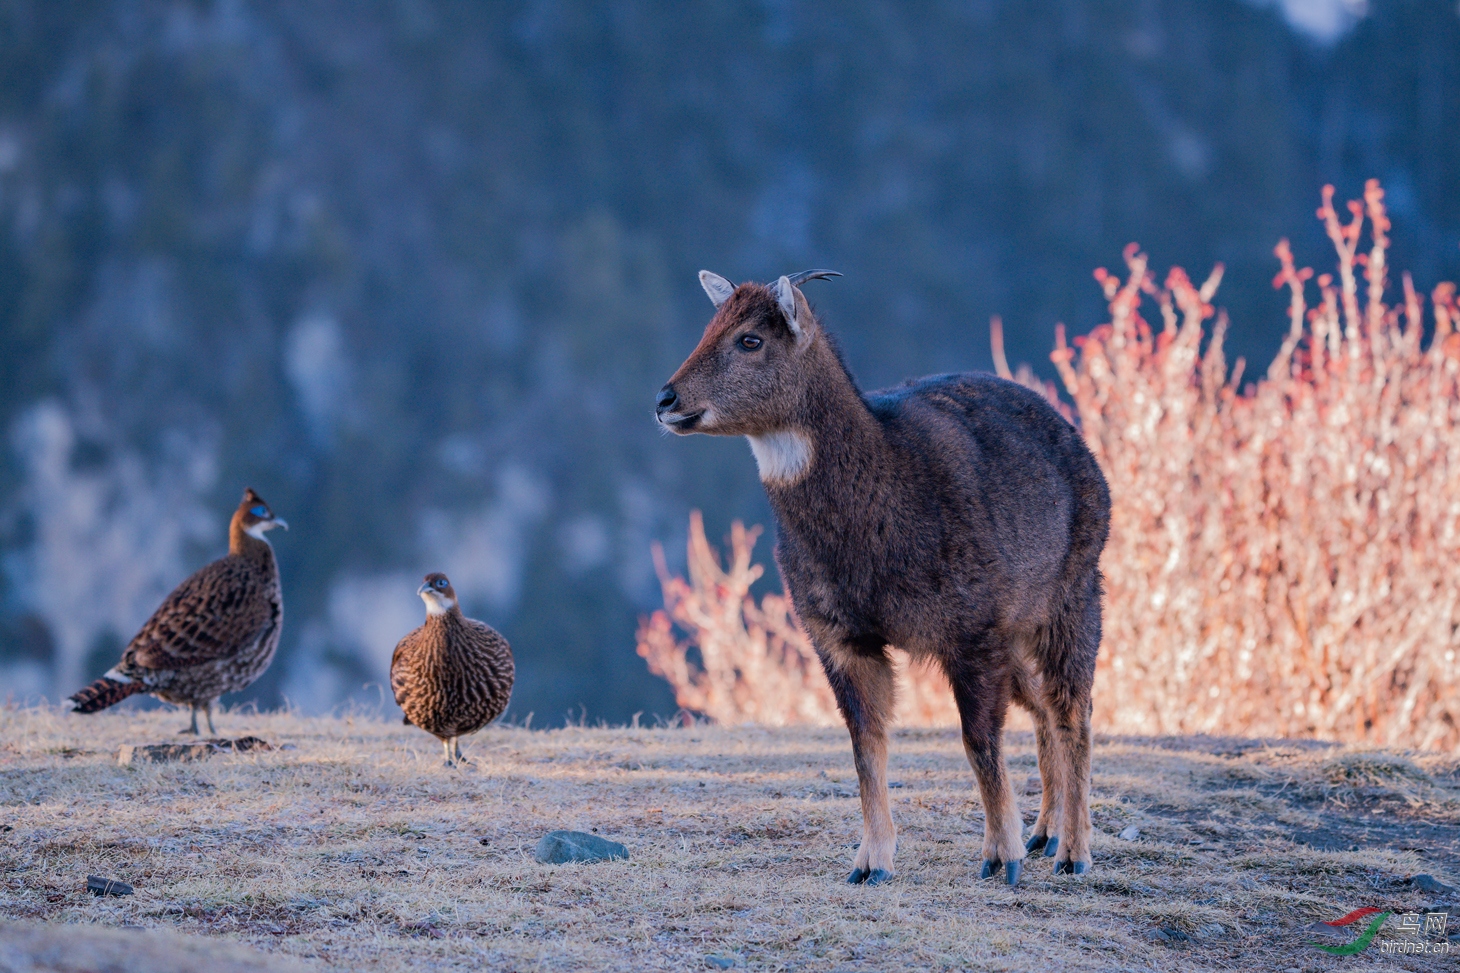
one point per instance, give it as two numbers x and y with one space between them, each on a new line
438 594
254 517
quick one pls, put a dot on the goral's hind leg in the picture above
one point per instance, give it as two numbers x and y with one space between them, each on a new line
1068 670
983 700
1052 769
1072 729
861 678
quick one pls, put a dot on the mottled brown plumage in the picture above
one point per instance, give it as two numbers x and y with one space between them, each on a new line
215 634
453 675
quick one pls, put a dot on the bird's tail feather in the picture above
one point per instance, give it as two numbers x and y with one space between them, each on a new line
103 693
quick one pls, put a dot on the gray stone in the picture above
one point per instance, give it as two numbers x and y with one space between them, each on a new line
1428 883
558 847
97 885
1168 934
721 962
1131 833
1322 930
305 902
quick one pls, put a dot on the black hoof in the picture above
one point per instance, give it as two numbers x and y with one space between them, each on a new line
1035 842
869 876
990 868
1072 868
1011 872
1052 849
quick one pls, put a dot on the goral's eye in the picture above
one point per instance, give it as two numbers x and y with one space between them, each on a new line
259 511
750 342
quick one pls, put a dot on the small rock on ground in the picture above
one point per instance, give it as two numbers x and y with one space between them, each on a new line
99 885
558 847
1428 883
720 962
1168 934
1131 833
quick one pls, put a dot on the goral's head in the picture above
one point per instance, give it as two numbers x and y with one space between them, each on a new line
748 373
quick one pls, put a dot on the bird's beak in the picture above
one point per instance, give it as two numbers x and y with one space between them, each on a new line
279 522
423 590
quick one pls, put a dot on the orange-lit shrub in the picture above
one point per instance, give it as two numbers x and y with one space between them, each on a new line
756 665
1282 560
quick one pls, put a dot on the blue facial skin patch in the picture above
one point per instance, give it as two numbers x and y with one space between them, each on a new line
259 511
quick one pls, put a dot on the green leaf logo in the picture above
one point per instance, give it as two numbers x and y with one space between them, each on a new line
1360 944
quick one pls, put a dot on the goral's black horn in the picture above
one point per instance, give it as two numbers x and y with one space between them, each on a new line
805 275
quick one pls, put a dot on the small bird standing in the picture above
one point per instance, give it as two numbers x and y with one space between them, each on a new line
215 634
453 675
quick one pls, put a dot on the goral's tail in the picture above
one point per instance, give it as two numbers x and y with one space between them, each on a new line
105 692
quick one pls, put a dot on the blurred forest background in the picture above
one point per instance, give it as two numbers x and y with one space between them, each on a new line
415 270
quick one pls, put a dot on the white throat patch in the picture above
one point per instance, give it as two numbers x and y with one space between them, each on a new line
436 605
783 457
258 530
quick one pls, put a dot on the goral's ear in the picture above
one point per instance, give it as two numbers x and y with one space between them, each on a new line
795 309
805 320
786 295
717 287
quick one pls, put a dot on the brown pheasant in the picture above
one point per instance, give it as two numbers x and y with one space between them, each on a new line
453 675
215 634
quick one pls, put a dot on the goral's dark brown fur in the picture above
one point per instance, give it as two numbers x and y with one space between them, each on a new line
958 517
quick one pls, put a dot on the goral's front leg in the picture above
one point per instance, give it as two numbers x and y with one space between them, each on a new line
983 698
863 685
873 864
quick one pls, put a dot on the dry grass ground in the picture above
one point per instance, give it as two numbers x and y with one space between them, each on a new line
357 850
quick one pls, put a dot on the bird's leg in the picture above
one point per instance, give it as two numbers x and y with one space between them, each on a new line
446 745
456 750
209 710
193 727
